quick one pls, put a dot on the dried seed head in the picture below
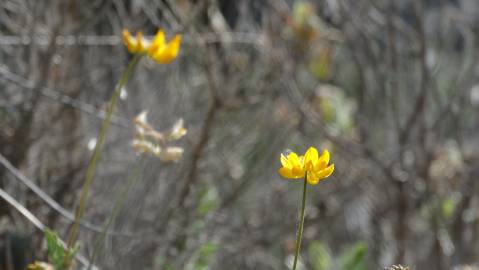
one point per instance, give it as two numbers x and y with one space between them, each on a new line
143 146
171 154
177 131
40 266
398 267
147 140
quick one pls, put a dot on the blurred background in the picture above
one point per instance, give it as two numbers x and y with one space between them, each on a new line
391 88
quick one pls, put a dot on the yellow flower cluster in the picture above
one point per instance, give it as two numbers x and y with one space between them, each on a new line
311 165
157 49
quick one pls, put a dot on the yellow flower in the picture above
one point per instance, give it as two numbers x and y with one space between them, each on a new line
317 167
314 167
163 52
293 166
158 49
136 44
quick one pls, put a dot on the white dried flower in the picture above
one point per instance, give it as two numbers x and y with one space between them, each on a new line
177 131
171 154
141 117
141 123
143 146
148 140
398 267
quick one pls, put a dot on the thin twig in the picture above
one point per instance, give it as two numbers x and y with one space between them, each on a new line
55 95
37 223
51 202
115 40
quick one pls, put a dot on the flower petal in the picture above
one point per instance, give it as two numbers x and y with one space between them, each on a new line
326 172
158 42
310 158
168 53
139 40
297 163
173 47
322 161
286 173
312 178
129 41
294 159
285 162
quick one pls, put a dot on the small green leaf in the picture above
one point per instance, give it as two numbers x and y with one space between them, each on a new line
447 207
209 200
58 256
205 252
319 256
353 257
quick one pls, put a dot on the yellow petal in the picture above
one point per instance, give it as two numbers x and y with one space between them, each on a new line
286 173
161 57
129 41
297 164
173 46
312 178
310 158
139 38
298 171
326 172
322 161
158 42
126 36
301 160
285 162
168 53
294 159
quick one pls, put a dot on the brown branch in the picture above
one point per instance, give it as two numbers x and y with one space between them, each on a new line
215 105
393 66
420 105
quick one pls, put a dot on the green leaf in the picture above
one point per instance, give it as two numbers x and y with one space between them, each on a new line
319 255
353 257
447 208
58 256
205 252
209 200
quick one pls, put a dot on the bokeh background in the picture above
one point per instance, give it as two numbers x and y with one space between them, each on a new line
391 88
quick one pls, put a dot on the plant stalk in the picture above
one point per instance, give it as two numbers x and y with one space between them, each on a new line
299 234
120 202
97 151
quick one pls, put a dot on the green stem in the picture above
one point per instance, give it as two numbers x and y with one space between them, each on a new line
299 235
90 173
120 202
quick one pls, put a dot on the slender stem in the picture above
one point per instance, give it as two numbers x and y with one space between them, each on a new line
120 202
97 151
299 235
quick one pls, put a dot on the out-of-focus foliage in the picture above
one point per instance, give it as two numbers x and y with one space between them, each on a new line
209 200
353 257
204 256
320 257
